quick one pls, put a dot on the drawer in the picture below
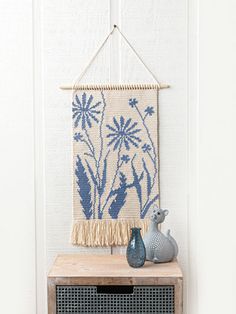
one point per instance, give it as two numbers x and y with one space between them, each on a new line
115 299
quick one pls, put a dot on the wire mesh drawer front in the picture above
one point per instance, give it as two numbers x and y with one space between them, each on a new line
142 300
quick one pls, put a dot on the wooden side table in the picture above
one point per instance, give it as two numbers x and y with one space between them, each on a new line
106 284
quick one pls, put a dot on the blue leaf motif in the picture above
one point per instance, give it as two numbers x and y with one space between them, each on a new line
137 185
123 179
149 183
91 173
84 188
104 177
146 208
119 200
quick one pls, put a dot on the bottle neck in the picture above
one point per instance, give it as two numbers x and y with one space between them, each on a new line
136 233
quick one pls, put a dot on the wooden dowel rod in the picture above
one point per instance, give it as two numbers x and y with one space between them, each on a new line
116 87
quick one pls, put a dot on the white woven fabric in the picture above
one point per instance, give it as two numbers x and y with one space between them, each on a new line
115 163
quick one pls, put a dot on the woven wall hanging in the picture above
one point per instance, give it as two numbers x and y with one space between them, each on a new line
115 159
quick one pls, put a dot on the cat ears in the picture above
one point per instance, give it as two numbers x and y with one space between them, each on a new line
165 211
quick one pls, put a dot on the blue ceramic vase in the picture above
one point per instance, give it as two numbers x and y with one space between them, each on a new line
136 252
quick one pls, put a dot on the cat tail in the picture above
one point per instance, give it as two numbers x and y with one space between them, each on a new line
173 242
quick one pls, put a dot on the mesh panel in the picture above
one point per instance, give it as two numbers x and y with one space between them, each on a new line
143 300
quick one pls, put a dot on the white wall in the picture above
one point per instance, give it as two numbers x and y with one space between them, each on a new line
216 151
188 44
17 190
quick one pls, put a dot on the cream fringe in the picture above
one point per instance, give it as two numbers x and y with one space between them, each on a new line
105 232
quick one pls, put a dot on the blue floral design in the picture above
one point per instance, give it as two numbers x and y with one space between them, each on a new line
151 151
78 137
83 188
125 158
149 111
123 133
84 111
146 148
133 102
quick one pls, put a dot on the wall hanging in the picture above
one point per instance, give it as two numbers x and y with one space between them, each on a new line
115 158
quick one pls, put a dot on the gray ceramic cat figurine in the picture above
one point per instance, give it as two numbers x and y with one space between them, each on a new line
160 248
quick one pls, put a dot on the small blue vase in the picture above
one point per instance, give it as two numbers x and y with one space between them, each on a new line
136 252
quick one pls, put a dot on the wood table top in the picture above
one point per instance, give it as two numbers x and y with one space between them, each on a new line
109 266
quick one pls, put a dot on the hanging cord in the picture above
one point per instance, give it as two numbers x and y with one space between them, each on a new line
77 80
138 56
93 58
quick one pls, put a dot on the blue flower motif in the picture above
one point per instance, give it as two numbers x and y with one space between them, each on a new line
133 102
125 158
123 133
83 111
146 148
149 110
78 137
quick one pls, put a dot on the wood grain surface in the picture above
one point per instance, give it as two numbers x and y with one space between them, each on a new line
115 266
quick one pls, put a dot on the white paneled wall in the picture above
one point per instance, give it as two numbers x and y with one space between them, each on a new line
17 192
189 44
217 155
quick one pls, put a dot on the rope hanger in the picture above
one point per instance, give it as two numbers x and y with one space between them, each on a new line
75 86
